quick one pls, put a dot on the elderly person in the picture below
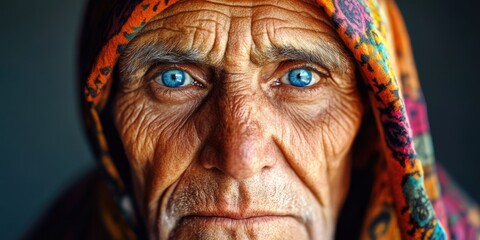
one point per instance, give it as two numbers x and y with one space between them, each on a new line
257 120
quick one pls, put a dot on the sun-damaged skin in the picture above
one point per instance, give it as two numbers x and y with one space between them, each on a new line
239 154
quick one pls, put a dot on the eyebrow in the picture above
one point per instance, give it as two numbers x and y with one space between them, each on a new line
329 55
145 55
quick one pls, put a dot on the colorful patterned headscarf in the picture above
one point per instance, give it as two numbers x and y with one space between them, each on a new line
406 200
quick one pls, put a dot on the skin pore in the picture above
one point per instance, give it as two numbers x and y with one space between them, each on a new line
239 149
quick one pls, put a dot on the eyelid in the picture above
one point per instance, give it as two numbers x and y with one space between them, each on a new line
321 71
292 65
159 68
194 91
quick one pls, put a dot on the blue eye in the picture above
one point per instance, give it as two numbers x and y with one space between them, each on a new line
174 78
299 77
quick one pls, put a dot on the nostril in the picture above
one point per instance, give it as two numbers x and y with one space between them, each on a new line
208 155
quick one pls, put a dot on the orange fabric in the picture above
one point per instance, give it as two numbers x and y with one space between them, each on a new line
98 83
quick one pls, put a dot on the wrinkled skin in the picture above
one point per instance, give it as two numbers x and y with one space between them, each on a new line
238 154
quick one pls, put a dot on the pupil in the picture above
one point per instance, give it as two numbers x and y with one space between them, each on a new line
173 78
300 77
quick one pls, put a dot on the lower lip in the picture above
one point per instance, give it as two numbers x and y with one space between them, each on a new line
258 227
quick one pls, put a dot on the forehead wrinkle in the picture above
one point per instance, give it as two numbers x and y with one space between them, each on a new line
189 13
277 38
264 3
266 7
208 22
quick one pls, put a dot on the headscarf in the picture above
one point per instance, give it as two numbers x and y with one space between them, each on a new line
406 199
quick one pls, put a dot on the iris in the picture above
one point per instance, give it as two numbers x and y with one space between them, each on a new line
300 77
174 78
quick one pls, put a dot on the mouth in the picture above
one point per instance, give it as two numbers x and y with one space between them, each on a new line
233 219
230 225
224 220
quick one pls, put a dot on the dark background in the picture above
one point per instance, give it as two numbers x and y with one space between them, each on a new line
43 148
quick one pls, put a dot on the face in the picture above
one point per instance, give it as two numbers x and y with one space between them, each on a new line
237 118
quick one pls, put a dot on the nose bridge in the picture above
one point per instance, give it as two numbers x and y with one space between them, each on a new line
238 129
237 111
238 138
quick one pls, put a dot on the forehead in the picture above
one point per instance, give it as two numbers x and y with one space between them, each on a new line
243 8
218 31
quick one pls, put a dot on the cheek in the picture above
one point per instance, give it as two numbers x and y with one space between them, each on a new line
159 142
326 125
133 119
317 139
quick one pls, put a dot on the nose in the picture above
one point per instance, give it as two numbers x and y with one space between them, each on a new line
238 145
